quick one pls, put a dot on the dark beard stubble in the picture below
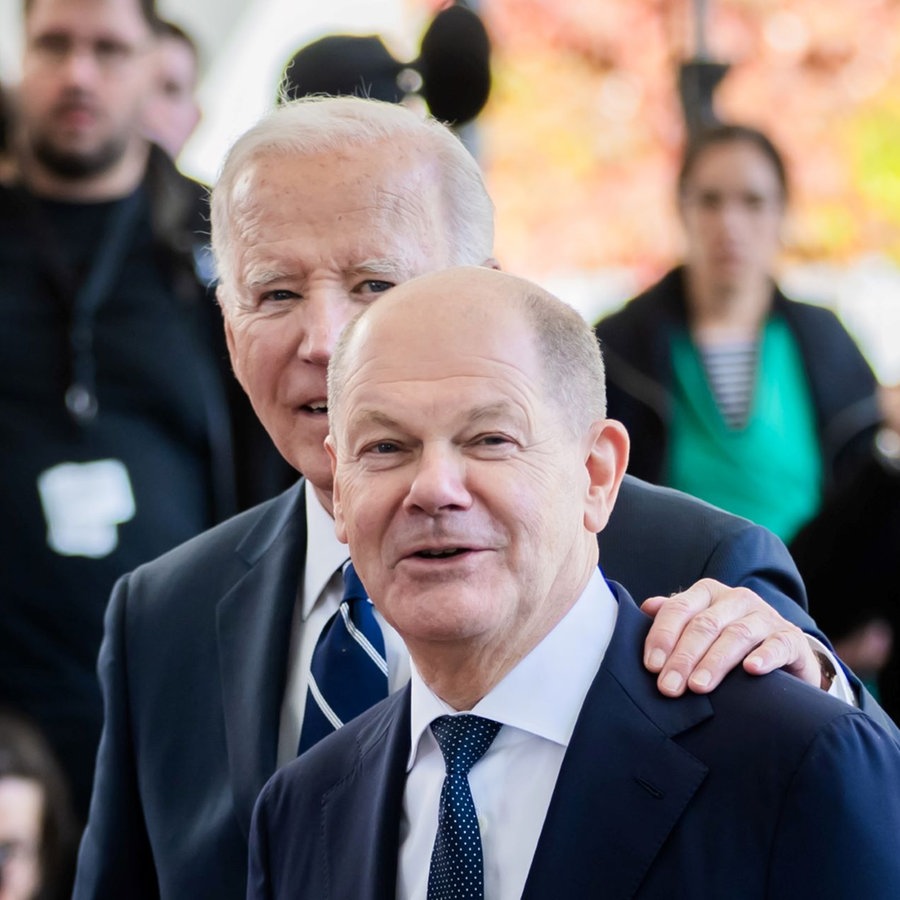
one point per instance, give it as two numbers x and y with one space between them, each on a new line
75 166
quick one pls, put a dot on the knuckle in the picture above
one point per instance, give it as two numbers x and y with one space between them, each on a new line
664 638
678 605
750 598
706 624
741 632
788 642
712 589
749 601
681 661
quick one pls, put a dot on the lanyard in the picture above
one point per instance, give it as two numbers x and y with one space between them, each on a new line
82 301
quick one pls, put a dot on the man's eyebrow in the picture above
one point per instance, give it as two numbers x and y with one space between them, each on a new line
262 277
476 414
382 265
490 411
374 417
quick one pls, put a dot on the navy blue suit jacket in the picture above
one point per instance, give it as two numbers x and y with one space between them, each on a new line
764 789
194 661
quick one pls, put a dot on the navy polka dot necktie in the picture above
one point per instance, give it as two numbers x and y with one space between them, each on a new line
457 866
348 672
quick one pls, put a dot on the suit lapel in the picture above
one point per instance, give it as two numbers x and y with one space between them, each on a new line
253 622
364 810
624 782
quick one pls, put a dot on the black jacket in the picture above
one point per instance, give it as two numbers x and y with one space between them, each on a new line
636 349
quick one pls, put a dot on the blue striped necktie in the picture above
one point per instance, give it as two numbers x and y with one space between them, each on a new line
457 864
348 672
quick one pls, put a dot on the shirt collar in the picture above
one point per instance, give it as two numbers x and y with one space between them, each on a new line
325 554
543 694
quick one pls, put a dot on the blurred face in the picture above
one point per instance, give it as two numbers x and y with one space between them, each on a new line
21 820
83 82
469 507
732 210
171 112
315 240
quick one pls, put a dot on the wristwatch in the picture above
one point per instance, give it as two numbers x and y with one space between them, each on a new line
827 672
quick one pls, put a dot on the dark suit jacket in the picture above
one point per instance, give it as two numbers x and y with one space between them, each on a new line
193 669
765 788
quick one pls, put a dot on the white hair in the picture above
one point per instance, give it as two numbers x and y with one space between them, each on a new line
311 126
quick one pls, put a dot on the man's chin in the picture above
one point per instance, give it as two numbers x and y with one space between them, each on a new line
76 164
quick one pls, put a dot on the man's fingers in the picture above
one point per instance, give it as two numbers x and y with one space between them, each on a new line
708 651
671 616
789 650
699 635
694 650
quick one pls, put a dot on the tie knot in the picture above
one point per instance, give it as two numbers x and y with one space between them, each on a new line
353 587
463 740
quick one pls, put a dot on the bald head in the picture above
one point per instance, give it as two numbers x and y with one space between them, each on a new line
473 468
471 303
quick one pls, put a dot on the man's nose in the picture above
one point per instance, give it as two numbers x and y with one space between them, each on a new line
439 480
80 66
324 317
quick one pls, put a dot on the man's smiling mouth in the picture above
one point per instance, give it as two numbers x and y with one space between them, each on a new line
441 554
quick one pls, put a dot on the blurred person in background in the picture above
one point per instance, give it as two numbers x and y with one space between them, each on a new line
730 391
171 112
37 827
115 428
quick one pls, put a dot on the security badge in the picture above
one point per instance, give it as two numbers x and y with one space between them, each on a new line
84 503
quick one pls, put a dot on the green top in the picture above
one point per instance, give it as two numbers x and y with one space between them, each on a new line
769 471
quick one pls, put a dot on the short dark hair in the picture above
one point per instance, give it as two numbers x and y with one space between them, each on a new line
147 7
731 134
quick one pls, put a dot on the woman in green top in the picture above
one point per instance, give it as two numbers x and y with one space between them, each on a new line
731 391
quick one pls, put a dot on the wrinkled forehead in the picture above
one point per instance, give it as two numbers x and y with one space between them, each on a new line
357 206
345 174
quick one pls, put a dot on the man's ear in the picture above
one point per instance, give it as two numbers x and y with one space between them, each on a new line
339 525
491 263
606 461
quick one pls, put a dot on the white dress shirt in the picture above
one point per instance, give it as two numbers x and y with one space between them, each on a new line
318 599
537 703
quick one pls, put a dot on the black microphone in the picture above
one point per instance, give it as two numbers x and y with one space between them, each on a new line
454 62
453 65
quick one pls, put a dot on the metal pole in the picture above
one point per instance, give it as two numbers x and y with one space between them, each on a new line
700 48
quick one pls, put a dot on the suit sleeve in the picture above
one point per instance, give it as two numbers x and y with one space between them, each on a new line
839 826
115 858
